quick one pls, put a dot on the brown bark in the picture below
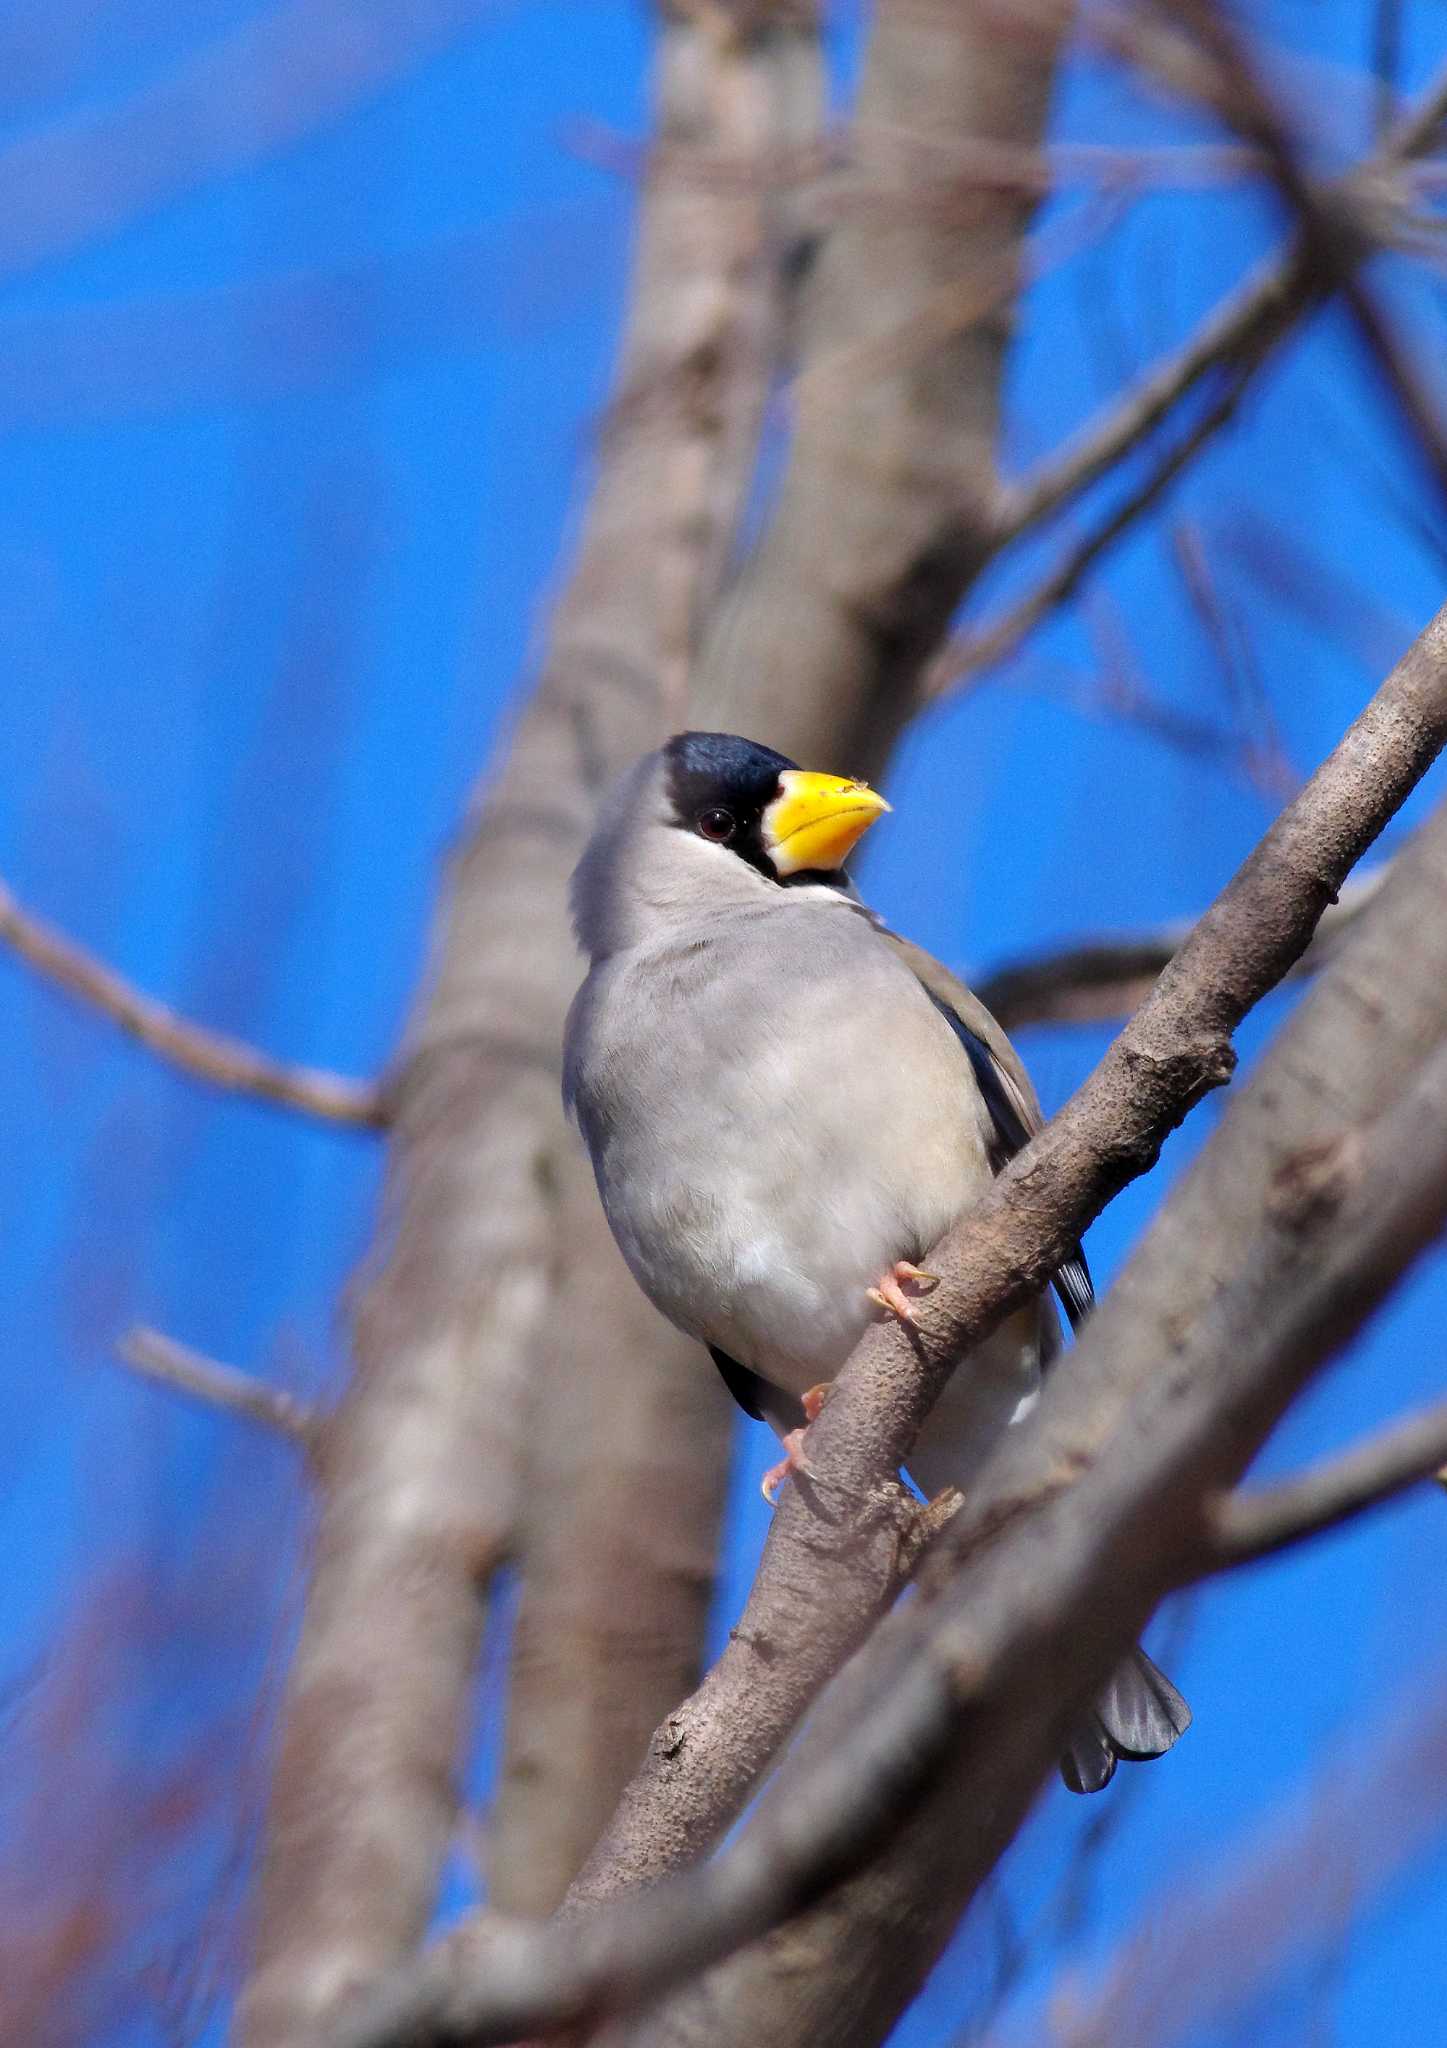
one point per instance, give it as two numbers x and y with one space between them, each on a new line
629 1427
887 509
209 1056
1246 1526
425 1456
1324 1181
825 1565
166 1363
1261 1227
889 506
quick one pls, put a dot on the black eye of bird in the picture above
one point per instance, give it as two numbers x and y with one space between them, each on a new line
719 825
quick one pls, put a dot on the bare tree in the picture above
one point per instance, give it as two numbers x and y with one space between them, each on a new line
867 280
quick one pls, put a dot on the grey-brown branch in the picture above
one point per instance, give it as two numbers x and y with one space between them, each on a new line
1245 1526
158 1357
209 1056
1176 1048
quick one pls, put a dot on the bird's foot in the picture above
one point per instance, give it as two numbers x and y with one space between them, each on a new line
889 1292
794 1459
813 1399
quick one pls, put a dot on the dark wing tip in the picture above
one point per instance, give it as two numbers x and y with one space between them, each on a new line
1137 1715
1076 1289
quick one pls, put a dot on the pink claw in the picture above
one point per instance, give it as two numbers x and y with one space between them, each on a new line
889 1294
794 1460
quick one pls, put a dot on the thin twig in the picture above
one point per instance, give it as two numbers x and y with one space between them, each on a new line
206 1055
1332 228
969 654
159 1357
1247 320
1246 1526
951 170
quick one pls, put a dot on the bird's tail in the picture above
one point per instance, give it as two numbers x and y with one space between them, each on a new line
1136 1714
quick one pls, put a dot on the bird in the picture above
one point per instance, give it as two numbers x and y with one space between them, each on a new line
786 1105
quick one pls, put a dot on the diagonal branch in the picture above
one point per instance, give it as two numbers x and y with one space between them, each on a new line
807 1610
1177 1046
1231 345
1332 234
1242 326
1247 1526
206 1055
986 646
1324 1181
160 1358
1096 982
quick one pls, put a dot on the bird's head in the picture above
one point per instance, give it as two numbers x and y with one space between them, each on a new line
785 822
710 817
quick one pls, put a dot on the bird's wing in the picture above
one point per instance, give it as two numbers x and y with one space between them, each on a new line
757 1396
1004 1086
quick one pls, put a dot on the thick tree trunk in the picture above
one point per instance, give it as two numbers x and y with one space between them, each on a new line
426 1463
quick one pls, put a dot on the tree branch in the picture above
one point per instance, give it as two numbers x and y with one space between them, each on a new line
1100 981
1174 1048
428 1452
887 506
812 1581
1332 231
206 1055
1233 342
986 646
1325 1179
1247 1526
1243 326
614 1603
158 1357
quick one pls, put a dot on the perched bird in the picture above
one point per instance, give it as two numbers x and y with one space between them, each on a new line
787 1105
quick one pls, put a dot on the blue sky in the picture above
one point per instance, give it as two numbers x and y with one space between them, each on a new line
297 390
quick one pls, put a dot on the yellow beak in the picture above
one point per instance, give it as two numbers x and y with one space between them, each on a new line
815 819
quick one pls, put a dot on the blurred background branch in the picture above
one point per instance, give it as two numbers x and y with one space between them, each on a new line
928 308
208 1056
160 1358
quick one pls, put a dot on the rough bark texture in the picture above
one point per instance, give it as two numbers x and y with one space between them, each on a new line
425 1458
817 650
823 1570
1299 1216
624 1411
1326 1178
887 509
